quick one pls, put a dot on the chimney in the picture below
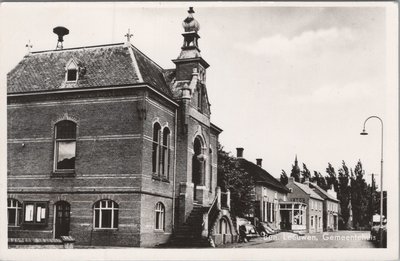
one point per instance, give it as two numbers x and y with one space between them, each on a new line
290 180
239 152
306 180
259 162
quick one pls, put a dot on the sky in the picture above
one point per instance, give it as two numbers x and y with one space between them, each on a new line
284 80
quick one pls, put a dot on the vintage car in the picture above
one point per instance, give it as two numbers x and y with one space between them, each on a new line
246 232
264 229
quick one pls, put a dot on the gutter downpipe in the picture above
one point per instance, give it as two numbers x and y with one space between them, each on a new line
174 176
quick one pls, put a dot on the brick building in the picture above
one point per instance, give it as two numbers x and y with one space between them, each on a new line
268 191
309 218
108 147
330 206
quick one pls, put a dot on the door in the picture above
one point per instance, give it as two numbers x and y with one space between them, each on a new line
62 219
196 167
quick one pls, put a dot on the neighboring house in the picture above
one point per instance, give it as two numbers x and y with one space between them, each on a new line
268 191
108 147
310 216
330 207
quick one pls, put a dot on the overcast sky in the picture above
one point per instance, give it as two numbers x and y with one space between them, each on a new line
282 81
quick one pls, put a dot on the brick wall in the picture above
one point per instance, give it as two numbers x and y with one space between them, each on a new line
113 161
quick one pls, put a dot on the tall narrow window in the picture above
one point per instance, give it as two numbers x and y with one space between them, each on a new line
200 98
165 153
65 145
156 147
211 171
160 216
106 214
14 212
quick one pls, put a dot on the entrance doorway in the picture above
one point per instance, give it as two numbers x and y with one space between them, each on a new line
286 223
62 219
196 166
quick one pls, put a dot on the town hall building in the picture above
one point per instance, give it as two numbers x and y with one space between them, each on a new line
109 148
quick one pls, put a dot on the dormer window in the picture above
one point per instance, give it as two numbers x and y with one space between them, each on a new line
71 71
72 75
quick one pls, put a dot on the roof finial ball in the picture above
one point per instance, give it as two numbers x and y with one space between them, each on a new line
190 24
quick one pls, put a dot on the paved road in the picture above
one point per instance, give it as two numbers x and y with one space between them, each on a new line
340 239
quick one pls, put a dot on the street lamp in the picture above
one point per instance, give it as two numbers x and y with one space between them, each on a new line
381 205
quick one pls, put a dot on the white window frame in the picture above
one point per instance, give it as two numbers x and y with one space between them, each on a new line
114 208
155 155
56 146
160 218
165 153
17 206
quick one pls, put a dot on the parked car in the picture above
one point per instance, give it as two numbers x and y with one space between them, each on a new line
375 231
264 229
246 232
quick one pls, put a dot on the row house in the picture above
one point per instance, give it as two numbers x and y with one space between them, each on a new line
269 193
306 213
330 206
108 147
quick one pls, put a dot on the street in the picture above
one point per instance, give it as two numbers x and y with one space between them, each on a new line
340 239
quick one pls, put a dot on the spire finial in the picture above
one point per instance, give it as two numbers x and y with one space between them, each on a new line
128 35
191 11
29 46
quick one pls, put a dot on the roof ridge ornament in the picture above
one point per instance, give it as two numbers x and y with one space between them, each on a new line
29 46
190 24
128 36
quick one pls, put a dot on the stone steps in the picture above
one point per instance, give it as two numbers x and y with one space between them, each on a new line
188 235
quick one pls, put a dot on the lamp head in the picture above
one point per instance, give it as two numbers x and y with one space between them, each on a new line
364 132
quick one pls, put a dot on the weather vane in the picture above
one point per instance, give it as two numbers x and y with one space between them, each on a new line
29 46
128 35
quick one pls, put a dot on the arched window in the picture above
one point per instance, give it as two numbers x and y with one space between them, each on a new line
156 147
160 216
14 212
165 153
105 214
65 145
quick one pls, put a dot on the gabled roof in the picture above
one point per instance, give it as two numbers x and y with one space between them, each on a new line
99 66
324 194
260 175
308 190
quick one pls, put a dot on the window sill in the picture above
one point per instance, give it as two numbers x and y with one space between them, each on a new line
160 178
160 231
105 229
63 173
34 224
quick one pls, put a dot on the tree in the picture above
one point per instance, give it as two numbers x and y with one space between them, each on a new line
360 197
305 173
284 178
239 182
320 180
343 195
295 173
331 179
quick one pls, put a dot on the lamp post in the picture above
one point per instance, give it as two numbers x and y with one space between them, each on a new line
381 205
